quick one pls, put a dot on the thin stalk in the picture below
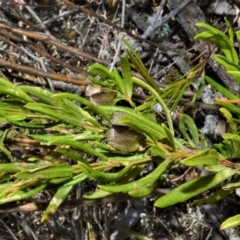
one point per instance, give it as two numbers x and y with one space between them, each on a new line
159 99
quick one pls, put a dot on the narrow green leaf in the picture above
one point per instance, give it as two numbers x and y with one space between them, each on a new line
17 167
229 118
231 136
230 30
2 146
210 29
236 75
99 193
61 194
77 109
100 82
55 113
16 92
231 185
230 147
139 66
16 187
90 229
156 94
139 123
24 194
206 157
220 39
149 179
103 176
80 145
68 107
127 77
229 106
225 92
230 67
118 81
70 153
127 117
84 136
132 159
143 191
218 196
5 82
30 125
99 70
200 87
47 172
186 122
231 222
238 35
231 37
177 95
215 168
84 102
40 93
193 188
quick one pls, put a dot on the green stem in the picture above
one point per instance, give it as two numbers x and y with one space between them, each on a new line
159 99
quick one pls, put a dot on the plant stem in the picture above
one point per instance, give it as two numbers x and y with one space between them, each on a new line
159 99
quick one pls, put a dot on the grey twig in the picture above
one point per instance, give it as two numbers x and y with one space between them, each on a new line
61 15
173 13
150 28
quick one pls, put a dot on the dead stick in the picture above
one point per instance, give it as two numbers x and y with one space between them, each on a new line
103 19
40 73
71 204
47 39
43 53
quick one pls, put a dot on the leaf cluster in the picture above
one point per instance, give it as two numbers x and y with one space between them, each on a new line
107 137
228 148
